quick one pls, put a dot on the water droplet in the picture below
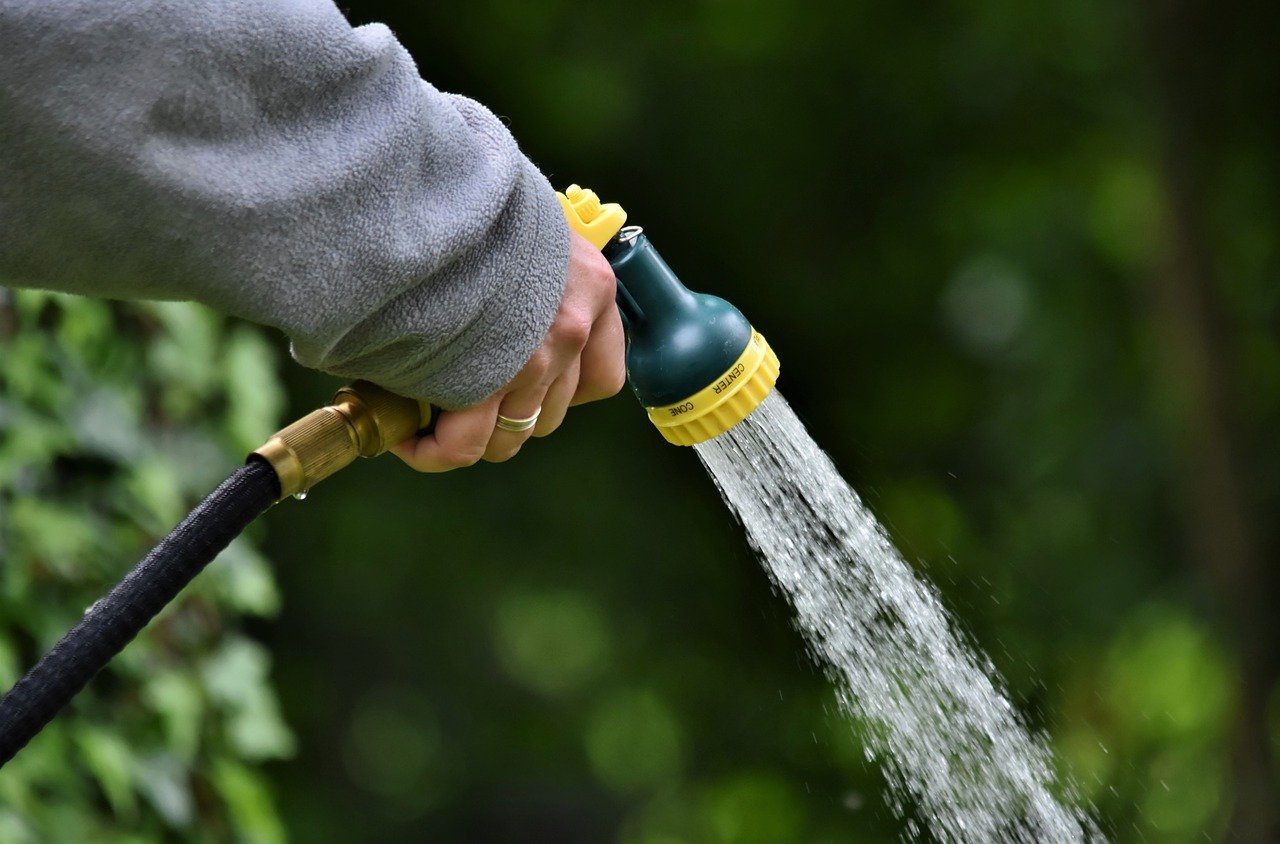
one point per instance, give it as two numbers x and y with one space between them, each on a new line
301 494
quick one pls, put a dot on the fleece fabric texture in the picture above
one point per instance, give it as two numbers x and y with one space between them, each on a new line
272 161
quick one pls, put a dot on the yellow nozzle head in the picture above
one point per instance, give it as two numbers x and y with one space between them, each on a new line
723 403
676 339
596 221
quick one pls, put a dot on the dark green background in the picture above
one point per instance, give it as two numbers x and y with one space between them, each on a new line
1019 261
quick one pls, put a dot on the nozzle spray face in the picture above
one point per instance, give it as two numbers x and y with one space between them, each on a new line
693 360
725 402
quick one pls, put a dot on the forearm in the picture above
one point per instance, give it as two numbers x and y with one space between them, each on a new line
271 161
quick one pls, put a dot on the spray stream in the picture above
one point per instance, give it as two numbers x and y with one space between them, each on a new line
932 710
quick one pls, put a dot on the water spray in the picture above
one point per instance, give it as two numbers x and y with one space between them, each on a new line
693 360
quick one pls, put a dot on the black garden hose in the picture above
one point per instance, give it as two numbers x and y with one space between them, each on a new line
113 621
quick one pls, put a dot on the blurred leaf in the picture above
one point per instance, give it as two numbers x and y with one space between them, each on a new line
242 576
101 452
923 517
59 537
108 422
235 677
14 829
9 670
254 402
233 668
111 761
185 355
177 698
166 784
249 803
256 729
155 495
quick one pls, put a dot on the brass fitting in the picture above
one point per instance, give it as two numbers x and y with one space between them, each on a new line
364 420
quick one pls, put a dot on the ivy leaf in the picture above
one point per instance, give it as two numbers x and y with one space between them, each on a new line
248 802
242 577
109 759
165 782
176 696
254 403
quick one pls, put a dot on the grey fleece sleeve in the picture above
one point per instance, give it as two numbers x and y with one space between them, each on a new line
267 159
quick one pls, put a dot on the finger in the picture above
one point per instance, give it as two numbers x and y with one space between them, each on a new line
459 439
556 403
603 359
515 405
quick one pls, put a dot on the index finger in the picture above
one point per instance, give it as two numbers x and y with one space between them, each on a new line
459 439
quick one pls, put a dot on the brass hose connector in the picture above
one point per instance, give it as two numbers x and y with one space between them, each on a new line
364 420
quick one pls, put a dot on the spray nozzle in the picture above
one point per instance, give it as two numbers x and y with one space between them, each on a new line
693 359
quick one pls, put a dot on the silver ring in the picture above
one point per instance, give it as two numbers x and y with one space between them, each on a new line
515 426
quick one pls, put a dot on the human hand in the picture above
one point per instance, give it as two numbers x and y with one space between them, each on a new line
580 360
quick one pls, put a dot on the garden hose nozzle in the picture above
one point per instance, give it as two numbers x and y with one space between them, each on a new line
693 360
363 420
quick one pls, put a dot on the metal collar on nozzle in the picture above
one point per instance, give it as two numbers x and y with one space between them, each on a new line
693 360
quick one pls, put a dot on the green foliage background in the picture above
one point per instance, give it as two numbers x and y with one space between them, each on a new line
1019 262
114 421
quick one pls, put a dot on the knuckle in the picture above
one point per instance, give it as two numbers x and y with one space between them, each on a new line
575 330
602 384
539 365
617 380
545 360
461 458
501 455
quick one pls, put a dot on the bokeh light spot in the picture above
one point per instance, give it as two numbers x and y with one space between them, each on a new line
393 746
551 642
633 742
985 304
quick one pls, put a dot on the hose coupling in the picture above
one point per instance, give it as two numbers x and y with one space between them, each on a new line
363 420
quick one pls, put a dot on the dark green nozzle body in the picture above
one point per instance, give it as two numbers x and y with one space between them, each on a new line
678 341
